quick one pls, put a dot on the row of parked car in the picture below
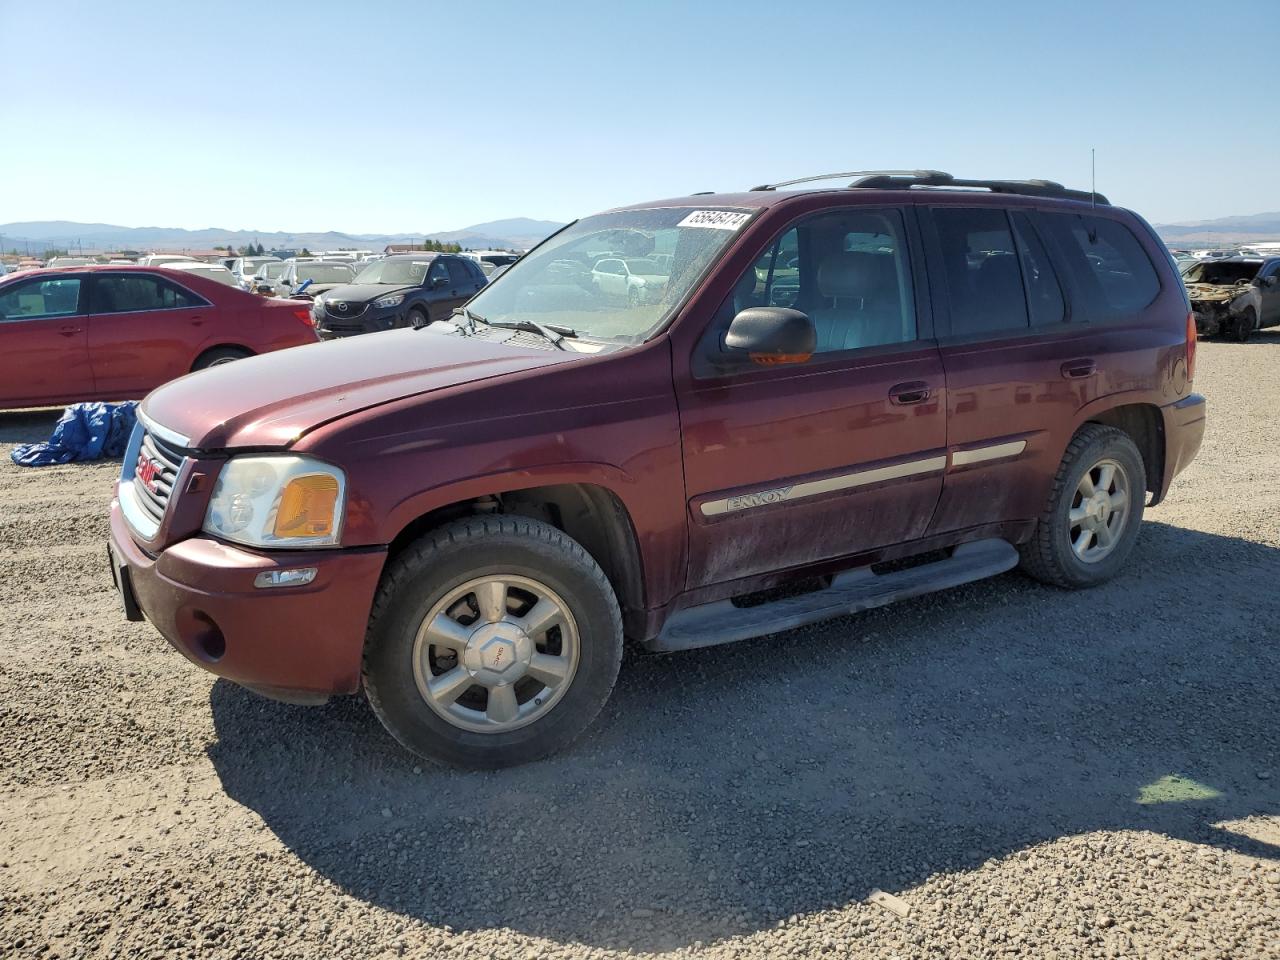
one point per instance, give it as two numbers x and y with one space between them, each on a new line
80 330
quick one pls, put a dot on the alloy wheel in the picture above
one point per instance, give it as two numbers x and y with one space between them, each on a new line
496 653
1099 511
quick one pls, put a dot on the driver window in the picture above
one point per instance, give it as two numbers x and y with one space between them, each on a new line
439 271
39 299
849 271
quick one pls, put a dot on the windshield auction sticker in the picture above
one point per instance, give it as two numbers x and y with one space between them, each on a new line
715 219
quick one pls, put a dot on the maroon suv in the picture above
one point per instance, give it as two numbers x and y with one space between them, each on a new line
858 394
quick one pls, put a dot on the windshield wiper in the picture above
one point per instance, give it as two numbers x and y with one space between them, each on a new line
470 317
552 333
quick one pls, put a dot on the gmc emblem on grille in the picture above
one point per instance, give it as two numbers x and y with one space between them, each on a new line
149 474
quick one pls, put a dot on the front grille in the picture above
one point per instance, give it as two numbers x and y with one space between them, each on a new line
336 326
353 309
169 461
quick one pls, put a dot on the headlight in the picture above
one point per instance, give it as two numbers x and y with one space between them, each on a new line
277 501
317 306
392 300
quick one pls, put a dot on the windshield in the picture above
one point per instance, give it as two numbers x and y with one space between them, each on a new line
1220 272
577 279
324 272
400 272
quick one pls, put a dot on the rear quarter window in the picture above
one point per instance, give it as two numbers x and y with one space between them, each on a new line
1110 269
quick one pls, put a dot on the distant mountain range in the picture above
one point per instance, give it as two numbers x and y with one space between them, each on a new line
1254 227
519 233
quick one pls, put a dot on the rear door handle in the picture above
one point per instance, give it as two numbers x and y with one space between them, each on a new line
912 392
1079 369
68 331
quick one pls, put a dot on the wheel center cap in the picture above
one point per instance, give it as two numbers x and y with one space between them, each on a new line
498 653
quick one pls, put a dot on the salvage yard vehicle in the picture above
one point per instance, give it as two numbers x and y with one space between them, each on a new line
264 280
244 269
1234 297
408 290
635 279
318 275
464 521
214 271
114 333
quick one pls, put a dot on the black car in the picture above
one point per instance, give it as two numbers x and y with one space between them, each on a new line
407 290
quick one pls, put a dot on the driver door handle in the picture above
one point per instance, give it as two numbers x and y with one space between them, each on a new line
910 393
1079 369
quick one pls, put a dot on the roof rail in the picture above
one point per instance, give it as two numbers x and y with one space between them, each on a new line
915 174
1030 188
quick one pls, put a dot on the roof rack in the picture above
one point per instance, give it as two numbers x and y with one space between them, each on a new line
906 179
1028 188
853 173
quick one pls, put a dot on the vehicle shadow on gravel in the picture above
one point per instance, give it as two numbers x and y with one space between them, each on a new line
27 426
726 789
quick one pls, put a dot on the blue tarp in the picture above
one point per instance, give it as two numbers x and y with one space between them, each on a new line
87 431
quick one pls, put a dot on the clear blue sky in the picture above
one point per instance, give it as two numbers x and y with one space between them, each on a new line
367 117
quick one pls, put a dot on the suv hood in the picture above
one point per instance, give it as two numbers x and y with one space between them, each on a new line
273 399
366 292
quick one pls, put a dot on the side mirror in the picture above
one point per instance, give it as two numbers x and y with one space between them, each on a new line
1270 281
772 335
438 282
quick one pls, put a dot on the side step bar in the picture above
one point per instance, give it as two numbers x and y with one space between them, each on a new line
854 590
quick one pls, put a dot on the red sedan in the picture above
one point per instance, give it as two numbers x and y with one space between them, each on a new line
115 333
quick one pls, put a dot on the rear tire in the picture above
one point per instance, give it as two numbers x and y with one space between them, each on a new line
432 660
218 356
1241 328
1083 540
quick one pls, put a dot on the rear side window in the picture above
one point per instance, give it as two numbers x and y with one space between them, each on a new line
129 293
458 272
980 262
1114 275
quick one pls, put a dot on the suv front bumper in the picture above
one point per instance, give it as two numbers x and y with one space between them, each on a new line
299 643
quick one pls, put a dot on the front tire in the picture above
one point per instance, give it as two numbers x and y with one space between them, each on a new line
218 356
417 318
494 641
1091 522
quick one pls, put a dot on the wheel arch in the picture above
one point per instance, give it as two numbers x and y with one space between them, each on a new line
591 513
1144 424
210 348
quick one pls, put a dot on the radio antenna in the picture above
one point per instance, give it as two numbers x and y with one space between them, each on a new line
1093 177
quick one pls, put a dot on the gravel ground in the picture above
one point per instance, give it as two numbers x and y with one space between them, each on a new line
1028 771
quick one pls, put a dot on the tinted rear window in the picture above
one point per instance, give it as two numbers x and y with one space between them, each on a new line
980 260
1111 270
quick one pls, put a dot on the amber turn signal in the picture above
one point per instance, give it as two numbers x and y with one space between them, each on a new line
307 506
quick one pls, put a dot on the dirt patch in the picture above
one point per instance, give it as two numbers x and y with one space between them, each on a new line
1029 771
